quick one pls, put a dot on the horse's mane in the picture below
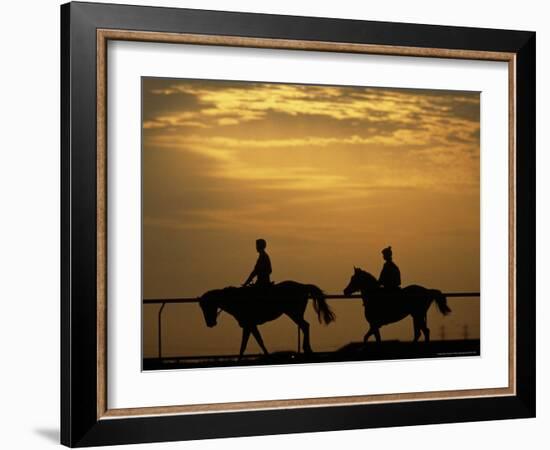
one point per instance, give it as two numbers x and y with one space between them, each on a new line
366 274
230 288
225 289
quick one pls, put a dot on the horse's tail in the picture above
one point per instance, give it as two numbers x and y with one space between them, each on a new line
441 301
324 313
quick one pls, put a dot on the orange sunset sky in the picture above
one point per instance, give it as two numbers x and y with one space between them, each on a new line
328 175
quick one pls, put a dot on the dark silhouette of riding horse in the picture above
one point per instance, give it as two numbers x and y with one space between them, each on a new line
252 306
384 306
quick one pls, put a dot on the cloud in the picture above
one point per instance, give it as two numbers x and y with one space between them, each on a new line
264 153
228 104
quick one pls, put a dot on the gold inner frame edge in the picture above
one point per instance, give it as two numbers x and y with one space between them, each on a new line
103 36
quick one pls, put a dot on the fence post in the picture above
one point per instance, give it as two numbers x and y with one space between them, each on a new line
160 330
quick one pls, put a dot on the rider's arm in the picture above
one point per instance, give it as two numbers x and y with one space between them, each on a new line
250 277
382 276
268 263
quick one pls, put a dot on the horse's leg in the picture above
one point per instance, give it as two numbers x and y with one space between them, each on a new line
368 335
244 341
416 325
258 336
377 335
304 326
425 329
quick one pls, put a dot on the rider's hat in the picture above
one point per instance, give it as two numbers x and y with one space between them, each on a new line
387 251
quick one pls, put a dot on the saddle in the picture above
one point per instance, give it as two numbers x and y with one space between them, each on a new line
261 291
393 293
262 285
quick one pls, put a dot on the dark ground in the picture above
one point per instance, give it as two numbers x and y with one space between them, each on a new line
353 351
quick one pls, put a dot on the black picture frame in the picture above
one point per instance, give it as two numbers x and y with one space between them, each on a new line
80 424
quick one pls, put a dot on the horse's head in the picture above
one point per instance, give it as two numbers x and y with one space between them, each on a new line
209 305
360 280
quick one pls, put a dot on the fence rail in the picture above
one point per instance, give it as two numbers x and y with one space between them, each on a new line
168 301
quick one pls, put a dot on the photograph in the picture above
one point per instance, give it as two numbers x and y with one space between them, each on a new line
288 223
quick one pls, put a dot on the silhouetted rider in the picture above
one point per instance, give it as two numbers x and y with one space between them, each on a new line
390 277
262 269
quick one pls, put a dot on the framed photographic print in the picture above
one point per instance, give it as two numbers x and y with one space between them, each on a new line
268 220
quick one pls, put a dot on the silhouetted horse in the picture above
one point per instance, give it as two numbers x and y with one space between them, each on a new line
383 307
252 306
